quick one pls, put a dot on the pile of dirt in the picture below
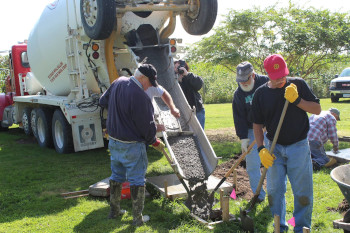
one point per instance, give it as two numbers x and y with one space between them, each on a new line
342 207
242 189
222 135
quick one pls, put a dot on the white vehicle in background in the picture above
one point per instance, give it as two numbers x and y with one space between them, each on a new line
340 86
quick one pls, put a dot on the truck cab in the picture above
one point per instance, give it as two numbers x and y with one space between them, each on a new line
340 86
19 67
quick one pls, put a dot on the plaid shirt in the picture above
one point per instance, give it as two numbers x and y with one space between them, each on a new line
322 128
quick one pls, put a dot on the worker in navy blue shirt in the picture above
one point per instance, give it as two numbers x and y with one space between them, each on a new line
291 156
248 82
190 85
131 126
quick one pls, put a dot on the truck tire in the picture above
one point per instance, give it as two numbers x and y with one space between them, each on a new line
43 127
26 121
98 18
334 99
61 133
202 19
3 128
33 122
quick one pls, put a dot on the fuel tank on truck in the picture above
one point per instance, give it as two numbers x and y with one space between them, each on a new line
47 47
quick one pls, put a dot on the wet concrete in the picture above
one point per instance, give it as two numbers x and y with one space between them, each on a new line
187 153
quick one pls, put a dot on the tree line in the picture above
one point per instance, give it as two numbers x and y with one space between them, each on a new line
315 44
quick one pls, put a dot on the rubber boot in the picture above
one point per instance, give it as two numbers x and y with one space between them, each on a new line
115 197
138 200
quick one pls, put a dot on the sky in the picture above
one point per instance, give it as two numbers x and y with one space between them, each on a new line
18 17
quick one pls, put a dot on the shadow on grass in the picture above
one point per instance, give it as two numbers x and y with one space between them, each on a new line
162 219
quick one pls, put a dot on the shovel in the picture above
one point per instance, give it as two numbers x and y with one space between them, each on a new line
247 222
238 161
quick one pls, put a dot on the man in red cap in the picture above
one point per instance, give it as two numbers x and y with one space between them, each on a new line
291 156
131 126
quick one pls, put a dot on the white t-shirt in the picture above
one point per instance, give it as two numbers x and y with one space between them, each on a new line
155 91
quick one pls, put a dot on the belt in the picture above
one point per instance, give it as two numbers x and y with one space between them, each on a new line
122 141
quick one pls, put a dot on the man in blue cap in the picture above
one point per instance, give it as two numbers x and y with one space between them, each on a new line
248 82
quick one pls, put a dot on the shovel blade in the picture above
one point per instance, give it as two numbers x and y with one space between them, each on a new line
246 221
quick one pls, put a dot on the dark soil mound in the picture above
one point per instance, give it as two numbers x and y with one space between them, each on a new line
243 189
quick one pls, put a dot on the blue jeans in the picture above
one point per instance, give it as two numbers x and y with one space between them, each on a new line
201 117
253 166
293 161
318 154
128 162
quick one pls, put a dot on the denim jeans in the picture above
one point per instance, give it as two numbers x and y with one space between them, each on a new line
253 166
128 162
201 117
318 154
293 161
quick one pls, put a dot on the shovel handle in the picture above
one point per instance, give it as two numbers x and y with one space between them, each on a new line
238 161
241 157
272 148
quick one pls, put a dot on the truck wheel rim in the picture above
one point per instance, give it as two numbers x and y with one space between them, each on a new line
194 9
59 134
41 129
90 12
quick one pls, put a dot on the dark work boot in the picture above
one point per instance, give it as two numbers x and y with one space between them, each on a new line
115 197
138 200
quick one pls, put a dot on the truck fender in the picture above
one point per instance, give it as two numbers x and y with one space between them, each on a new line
4 102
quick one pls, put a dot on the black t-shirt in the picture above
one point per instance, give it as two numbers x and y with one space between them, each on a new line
267 108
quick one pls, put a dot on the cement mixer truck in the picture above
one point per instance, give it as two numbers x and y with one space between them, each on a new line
77 48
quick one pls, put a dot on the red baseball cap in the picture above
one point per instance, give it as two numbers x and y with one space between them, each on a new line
275 66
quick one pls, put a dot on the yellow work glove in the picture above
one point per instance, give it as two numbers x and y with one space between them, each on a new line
291 94
158 145
265 157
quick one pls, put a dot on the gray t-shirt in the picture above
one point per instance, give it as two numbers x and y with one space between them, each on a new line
155 92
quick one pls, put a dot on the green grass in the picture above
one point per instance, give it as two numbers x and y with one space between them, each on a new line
32 179
220 115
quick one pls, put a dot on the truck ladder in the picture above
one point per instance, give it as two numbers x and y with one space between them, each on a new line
79 88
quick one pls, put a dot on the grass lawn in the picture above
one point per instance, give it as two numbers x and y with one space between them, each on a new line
220 115
32 179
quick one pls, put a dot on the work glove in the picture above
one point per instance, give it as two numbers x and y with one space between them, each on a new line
244 144
265 157
158 145
291 94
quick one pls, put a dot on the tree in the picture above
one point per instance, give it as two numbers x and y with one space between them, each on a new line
309 39
3 72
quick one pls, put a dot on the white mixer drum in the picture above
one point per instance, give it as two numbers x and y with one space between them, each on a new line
47 47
